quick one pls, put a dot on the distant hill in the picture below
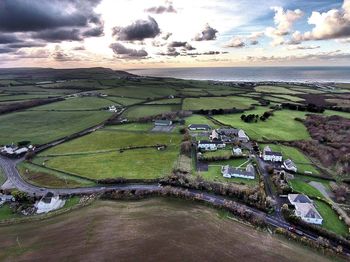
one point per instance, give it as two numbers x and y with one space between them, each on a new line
55 74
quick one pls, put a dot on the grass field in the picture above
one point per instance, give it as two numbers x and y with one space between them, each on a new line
330 219
302 162
112 140
6 212
276 89
23 97
136 112
124 100
198 119
301 186
141 164
42 127
141 229
280 126
41 176
291 98
141 91
80 103
166 101
217 103
144 127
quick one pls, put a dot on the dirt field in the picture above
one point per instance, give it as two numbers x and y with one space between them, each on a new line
149 230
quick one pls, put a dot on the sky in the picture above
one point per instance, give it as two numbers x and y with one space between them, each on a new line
125 34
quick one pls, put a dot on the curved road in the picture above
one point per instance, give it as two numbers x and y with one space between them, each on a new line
13 176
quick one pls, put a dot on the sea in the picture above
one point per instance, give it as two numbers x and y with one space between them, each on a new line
253 74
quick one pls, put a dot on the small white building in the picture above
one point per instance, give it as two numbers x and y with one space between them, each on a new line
237 151
214 135
272 156
229 172
6 198
289 165
49 203
242 136
207 146
163 123
305 209
112 109
201 127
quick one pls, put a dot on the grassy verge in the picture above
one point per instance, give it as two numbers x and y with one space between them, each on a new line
6 213
330 219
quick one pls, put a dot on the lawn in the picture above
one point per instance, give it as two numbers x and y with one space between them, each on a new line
108 140
131 164
6 212
302 162
221 153
42 127
301 186
276 89
72 201
42 176
281 126
136 112
80 103
198 119
214 172
330 219
217 103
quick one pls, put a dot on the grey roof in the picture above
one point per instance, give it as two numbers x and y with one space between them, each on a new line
299 198
270 153
164 122
233 170
228 131
202 126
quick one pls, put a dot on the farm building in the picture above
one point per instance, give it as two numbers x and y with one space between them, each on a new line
229 172
269 155
231 132
203 127
237 151
242 136
49 203
214 135
211 145
289 165
163 123
305 209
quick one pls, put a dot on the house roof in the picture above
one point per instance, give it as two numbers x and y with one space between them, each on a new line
236 171
270 153
299 198
289 163
205 142
164 122
202 126
228 131
307 210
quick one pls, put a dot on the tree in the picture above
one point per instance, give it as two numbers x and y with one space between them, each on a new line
20 195
185 148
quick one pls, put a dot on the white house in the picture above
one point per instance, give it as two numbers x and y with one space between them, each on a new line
305 209
289 165
237 151
194 127
49 203
6 198
229 172
163 123
272 156
207 146
214 135
112 109
242 136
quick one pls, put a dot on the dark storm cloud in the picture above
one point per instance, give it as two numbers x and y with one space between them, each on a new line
207 34
185 45
28 15
94 32
5 50
8 39
161 9
125 52
138 31
26 45
58 35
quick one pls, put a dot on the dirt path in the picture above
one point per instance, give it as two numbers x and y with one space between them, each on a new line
320 187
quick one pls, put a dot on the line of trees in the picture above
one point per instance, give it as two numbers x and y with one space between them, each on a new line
12 107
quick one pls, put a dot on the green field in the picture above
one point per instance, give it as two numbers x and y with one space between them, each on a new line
23 97
276 89
124 100
166 101
131 127
301 186
42 176
330 219
141 163
281 126
217 103
140 91
80 103
301 161
136 112
198 119
104 140
6 213
291 98
42 127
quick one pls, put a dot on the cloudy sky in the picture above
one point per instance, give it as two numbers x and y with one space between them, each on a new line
177 33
